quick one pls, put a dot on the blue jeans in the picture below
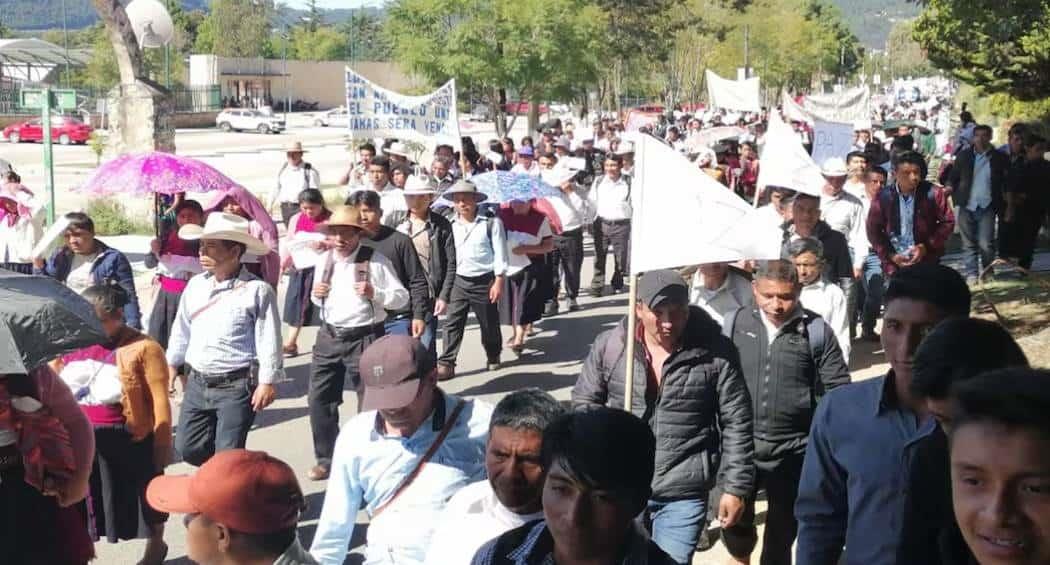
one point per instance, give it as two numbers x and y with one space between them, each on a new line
977 229
873 284
213 418
404 327
677 525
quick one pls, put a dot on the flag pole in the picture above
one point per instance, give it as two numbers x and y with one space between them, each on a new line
628 380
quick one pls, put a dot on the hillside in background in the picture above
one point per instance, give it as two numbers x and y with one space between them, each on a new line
871 21
37 15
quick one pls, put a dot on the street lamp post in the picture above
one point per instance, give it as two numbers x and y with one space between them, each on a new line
284 57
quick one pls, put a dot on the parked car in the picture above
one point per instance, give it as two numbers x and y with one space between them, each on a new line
334 117
64 130
522 107
234 119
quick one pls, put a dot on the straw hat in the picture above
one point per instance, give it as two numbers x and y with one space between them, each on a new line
294 147
419 186
834 167
226 227
397 148
345 216
465 187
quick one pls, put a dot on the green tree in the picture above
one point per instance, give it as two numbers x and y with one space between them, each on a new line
235 28
907 56
5 32
541 49
1000 46
321 44
365 38
314 18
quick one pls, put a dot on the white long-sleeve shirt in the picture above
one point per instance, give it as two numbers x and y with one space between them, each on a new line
829 301
735 293
472 517
844 213
343 307
611 199
292 180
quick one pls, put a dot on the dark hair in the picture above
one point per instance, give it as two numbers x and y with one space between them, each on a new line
911 158
934 283
526 409
444 146
804 245
604 448
799 196
269 544
877 171
958 349
549 155
1019 128
1016 398
903 142
506 141
527 140
860 154
780 271
367 147
191 204
367 198
381 161
983 127
495 146
965 117
1033 139
311 196
108 297
80 221
618 159
12 176
402 168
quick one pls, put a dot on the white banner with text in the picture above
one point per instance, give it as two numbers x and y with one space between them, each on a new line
374 111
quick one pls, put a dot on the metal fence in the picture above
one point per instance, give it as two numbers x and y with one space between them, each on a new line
188 99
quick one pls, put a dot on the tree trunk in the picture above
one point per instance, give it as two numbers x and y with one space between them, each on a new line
122 36
534 115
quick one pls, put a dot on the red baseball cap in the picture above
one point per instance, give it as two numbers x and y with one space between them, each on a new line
248 491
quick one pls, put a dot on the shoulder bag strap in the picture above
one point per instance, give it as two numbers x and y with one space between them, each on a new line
215 300
449 424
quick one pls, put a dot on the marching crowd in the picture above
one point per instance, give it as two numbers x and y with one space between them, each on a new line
741 385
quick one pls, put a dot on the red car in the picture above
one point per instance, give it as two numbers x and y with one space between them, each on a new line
522 107
64 130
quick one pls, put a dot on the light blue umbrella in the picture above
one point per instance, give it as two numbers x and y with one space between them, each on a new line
503 186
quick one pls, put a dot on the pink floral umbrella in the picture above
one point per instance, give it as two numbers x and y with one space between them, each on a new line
154 173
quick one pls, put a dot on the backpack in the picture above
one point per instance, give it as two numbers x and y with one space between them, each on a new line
362 261
814 332
307 167
598 181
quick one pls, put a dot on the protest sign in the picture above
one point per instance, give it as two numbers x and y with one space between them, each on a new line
374 111
792 110
728 94
831 139
681 216
846 106
785 161
710 136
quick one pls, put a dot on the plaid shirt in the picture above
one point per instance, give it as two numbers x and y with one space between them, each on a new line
532 544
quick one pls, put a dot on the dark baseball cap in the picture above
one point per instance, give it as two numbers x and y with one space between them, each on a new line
660 286
391 370
248 491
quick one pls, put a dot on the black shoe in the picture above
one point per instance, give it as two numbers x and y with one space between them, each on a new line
552 309
596 292
707 539
572 305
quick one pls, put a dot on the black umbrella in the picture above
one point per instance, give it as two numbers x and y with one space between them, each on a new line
40 320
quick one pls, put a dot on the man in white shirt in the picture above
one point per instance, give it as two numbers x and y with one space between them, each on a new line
574 212
610 196
720 290
294 177
526 162
856 164
512 495
357 176
355 287
626 151
818 295
481 265
778 210
844 213
391 198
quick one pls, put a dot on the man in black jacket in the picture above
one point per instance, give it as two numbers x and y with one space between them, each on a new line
976 185
397 247
687 385
431 236
806 222
790 358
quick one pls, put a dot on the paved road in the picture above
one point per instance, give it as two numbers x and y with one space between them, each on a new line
551 361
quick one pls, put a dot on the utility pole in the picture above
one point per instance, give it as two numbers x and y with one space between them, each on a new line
65 41
747 51
284 57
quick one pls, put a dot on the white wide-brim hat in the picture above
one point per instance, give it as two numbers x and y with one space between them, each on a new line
416 185
834 167
294 147
397 148
226 227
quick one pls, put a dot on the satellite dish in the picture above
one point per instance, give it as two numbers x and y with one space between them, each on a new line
151 22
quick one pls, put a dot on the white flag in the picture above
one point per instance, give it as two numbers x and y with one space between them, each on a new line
741 95
785 161
684 217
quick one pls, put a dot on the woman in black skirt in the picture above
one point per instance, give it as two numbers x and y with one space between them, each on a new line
303 228
529 239
176 261
121 387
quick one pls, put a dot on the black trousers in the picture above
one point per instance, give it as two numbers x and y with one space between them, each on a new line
616 235
472 293
336 356
780 481
568 260
288 209
1017 238
216 414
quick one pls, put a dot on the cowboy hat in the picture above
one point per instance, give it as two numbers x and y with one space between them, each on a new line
465 187
626 148
226 227
834 167
294 147
397 148
344 216
419 186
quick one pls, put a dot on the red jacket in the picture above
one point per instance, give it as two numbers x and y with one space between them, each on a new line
934 222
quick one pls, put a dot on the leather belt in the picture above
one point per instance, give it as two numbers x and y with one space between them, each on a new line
615 222
218 379
353 333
